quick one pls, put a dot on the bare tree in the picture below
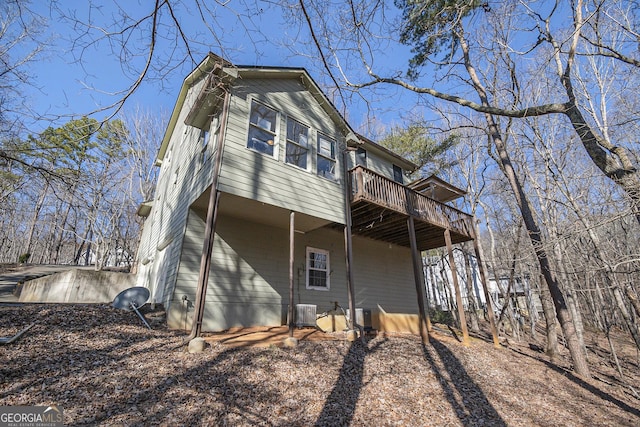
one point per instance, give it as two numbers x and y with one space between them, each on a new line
352 56
20 44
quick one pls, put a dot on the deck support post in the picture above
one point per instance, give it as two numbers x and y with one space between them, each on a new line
418 276
210 227
350 289
485 285
454 276
292 232
348 247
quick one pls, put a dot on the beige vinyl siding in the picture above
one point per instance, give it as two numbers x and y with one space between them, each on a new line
185 173
180 311
145 240
253 175
383 277
249 276
380 165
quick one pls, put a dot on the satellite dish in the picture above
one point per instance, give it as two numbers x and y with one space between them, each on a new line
131 299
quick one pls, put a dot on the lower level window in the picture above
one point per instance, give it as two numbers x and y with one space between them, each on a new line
317 269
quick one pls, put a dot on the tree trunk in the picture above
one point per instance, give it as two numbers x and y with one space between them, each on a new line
58 240
613 283
471 295
531 308
572 302
34 220
596 311
622 307
599 253
436 297
614 162
562 312
633 298
550 322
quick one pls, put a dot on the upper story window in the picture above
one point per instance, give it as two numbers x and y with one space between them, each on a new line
397 174
204 137
297 144
361 157
318 269
326 157
262 129
215 130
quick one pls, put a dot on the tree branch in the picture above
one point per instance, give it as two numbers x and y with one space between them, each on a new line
538 110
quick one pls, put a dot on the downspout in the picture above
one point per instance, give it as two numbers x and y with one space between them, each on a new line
210 229
292 233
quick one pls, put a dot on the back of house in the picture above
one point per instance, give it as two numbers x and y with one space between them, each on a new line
272 147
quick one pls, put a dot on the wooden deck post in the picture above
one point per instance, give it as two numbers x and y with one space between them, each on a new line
418 276
456 286
485 286
348 247
292 233
210 228
359 182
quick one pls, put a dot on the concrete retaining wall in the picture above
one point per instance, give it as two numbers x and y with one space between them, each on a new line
77 286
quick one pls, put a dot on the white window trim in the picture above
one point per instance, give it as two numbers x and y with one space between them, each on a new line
357 158
291 141
215 131
328 269
276 133
334 159
204 138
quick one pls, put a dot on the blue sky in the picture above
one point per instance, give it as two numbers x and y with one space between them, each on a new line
65 87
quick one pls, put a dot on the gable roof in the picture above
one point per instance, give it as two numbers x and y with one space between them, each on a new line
205 67
213 63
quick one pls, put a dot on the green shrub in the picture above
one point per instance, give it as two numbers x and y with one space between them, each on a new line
24 258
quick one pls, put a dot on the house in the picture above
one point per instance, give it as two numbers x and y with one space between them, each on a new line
523 300
439 281
523 297
268 200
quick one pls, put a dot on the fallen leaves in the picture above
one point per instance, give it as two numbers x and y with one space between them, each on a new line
104 367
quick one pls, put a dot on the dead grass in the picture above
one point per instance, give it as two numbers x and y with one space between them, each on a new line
103 367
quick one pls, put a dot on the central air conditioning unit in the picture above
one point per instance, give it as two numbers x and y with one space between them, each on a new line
305 315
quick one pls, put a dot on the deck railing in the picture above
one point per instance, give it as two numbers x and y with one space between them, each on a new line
373 187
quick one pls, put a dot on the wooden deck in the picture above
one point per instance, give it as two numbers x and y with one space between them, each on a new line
380 208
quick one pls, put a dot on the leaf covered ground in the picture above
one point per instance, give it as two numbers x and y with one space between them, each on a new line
103 367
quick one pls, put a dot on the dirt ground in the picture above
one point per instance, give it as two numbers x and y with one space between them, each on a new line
103 367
